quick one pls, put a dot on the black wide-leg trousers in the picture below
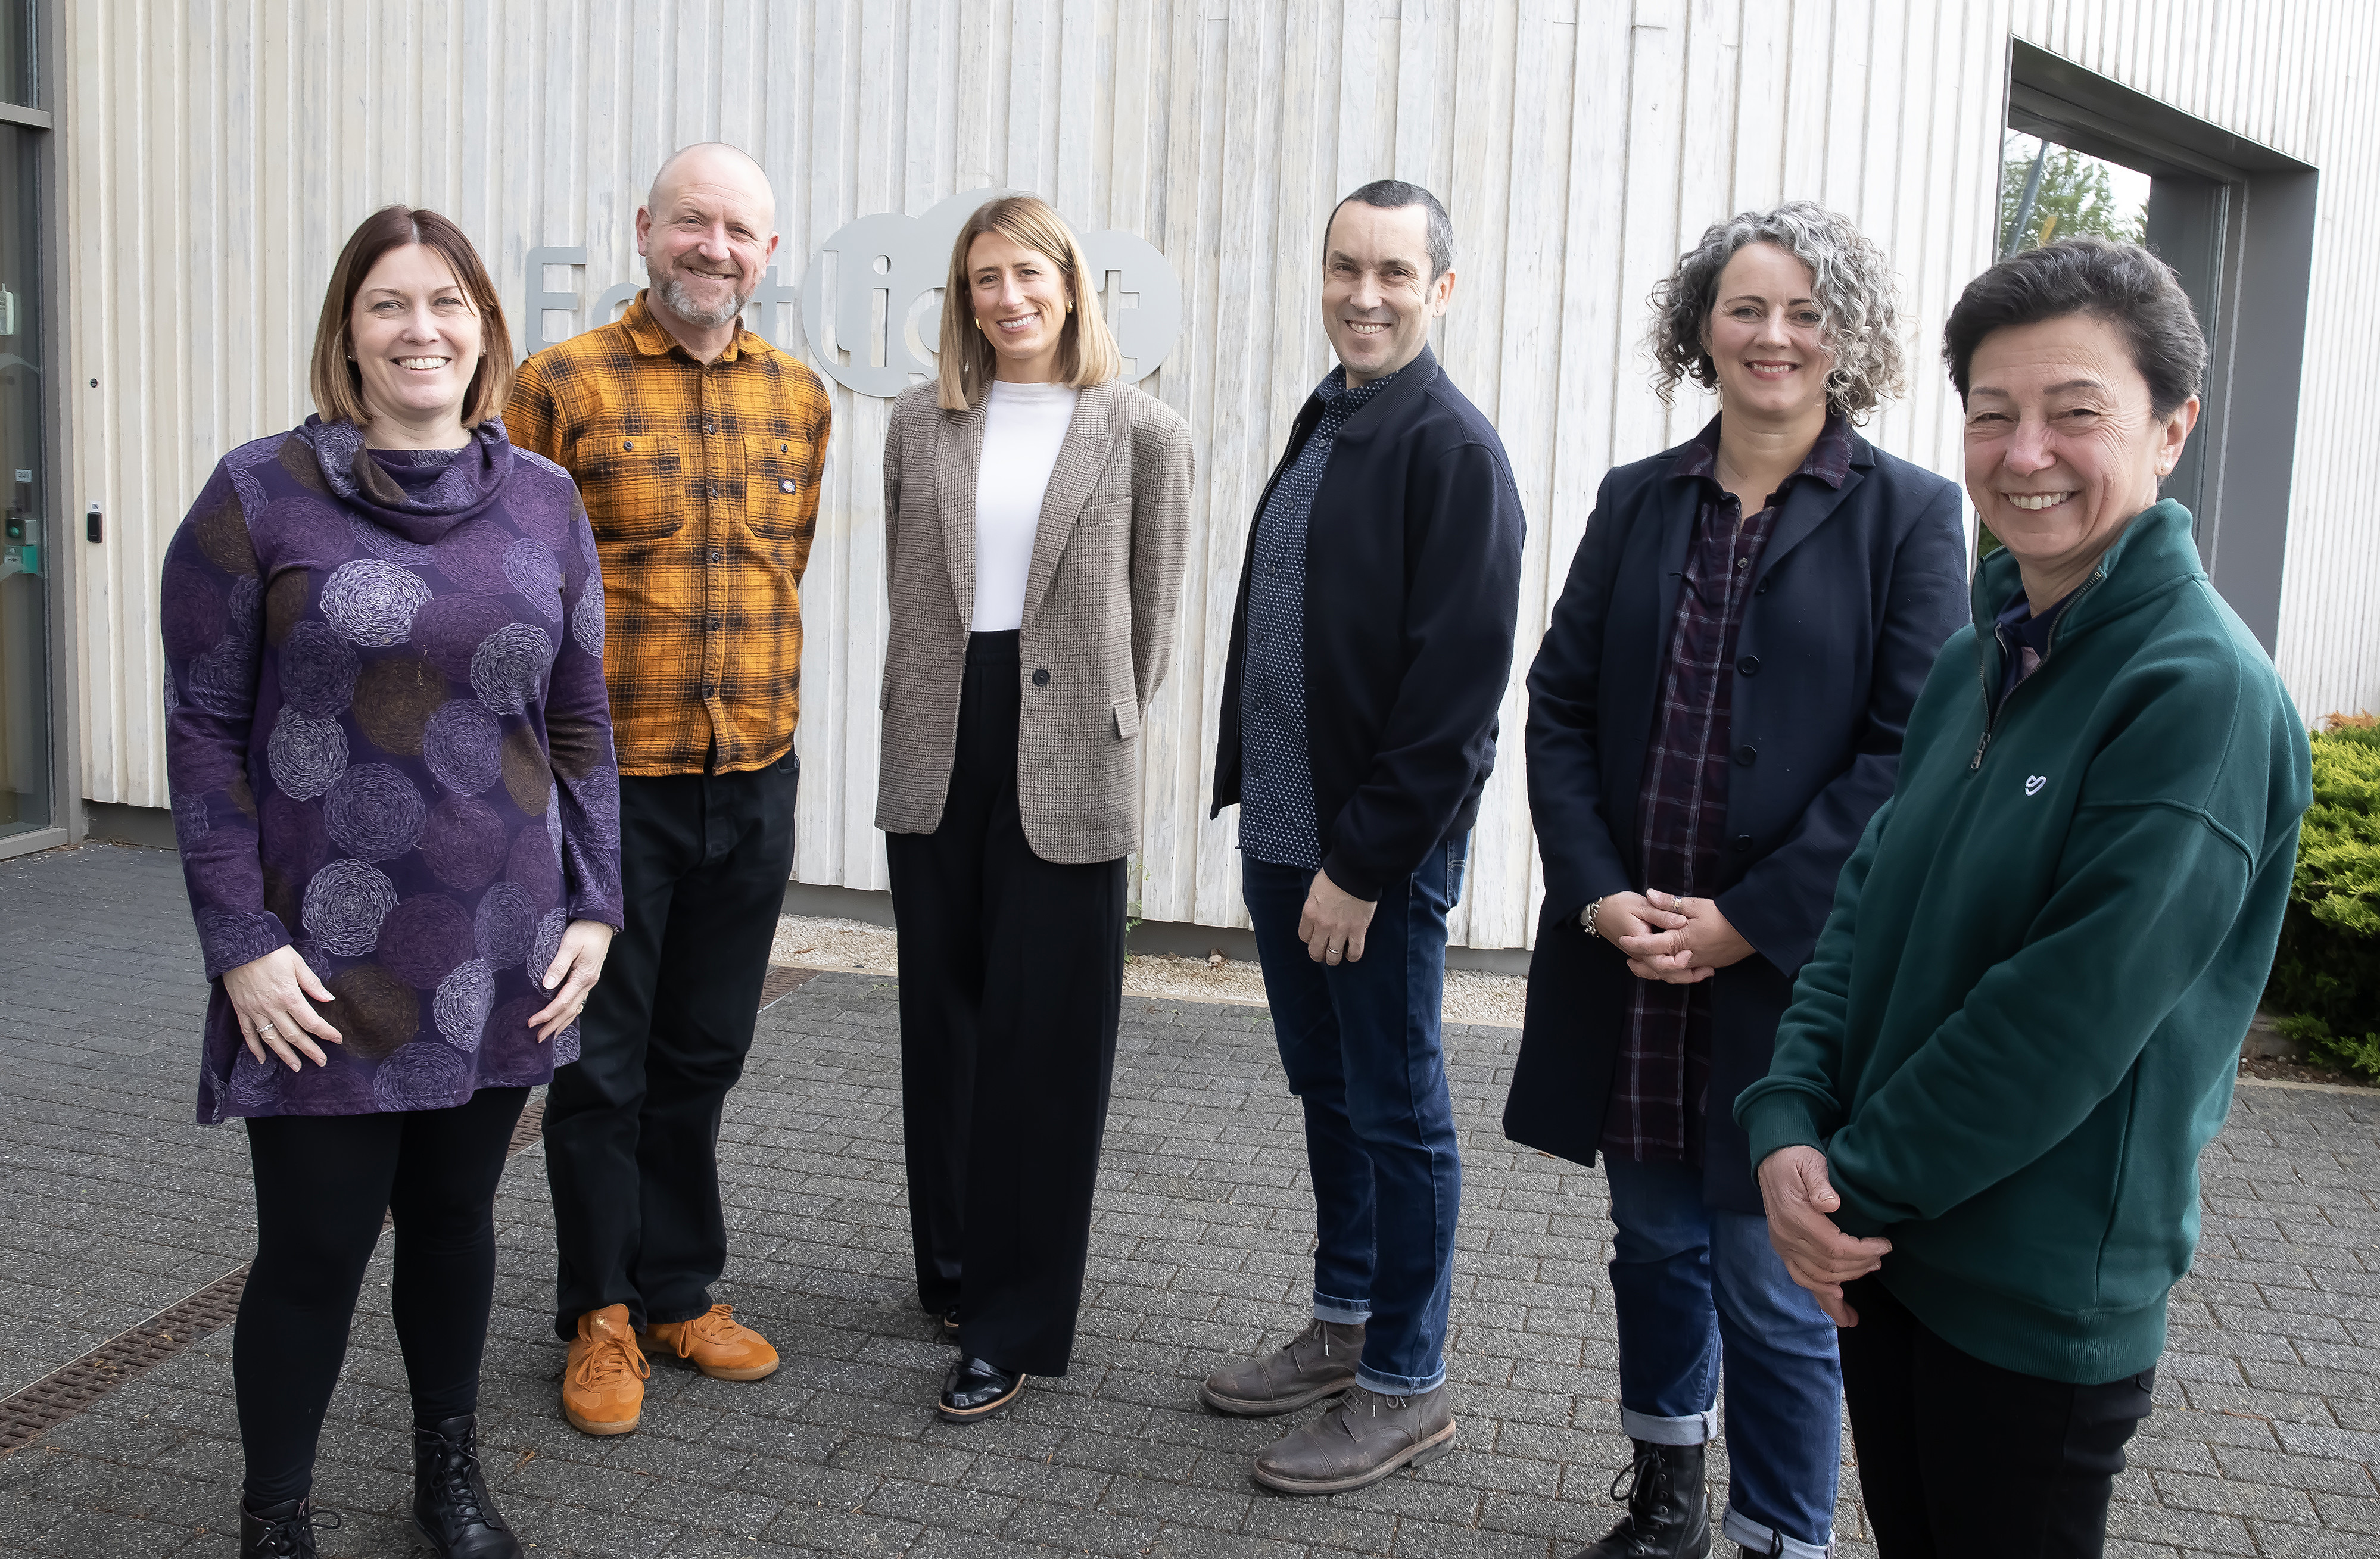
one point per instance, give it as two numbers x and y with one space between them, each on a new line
1012 979
632 1128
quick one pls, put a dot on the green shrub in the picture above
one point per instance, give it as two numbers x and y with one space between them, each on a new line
2327 972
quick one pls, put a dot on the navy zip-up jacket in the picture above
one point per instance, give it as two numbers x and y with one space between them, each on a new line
1412 579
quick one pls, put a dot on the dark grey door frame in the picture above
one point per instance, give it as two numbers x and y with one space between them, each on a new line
2238 219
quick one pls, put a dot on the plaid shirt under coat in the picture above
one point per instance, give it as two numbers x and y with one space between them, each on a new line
1658 1093
702 480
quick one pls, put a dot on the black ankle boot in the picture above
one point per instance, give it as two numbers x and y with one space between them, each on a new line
451 1507
281 1532
1668 1508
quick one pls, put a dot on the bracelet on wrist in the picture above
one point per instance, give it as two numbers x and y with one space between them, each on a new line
1593 910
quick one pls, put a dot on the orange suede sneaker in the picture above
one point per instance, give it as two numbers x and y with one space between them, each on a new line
603 1383
716 1344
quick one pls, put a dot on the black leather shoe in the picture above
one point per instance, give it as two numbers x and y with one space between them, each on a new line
974 1390
451 1508
283 1530
1669 1507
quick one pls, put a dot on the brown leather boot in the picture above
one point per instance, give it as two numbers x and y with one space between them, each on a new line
1319 1362
716 1344
603 1382
1361 1440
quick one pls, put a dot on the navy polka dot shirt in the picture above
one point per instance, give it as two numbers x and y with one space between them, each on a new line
1277 818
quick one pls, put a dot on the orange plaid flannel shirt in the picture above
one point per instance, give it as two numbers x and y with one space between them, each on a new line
702 480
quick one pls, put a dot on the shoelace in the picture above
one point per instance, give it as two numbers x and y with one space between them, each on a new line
607 1361
292 1537
1648 1466
456 1463
716 1325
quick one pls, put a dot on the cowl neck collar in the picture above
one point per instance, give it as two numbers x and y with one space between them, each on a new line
419 494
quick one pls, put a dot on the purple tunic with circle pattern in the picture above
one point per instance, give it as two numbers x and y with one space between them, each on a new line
388 744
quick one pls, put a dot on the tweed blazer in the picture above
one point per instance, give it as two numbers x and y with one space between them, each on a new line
1097 634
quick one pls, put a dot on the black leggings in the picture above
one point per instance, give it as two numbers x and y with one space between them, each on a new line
322 1184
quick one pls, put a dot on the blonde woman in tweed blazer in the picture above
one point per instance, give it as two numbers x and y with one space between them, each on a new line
1036 518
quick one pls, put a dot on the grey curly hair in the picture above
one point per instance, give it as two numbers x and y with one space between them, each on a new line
1857 295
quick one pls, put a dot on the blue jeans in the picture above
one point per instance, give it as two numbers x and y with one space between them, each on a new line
1692 1284
1360 1043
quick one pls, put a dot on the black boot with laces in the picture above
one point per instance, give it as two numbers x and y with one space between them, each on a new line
1668 1508
451 1507
281 1532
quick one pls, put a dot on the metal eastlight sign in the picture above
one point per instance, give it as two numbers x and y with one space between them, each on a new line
874 294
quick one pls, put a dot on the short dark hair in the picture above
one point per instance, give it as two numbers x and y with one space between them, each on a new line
1395 194
2123 283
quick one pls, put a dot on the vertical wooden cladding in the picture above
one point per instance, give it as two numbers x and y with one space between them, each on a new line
219 152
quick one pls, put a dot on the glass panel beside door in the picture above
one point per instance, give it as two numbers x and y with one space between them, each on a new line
26 532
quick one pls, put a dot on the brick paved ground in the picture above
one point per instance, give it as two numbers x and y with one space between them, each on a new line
2263 1443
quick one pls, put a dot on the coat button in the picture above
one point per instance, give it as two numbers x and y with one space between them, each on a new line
712 623
1743 844
627 443
1749 665
716 555
1040 676
708 690
1746 754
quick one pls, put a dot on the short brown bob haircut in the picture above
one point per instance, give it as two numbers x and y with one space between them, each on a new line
1087 350
335 381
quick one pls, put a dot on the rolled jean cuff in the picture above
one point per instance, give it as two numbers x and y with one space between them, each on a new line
1694 1429
1753 1537
1400 1386
1340 1313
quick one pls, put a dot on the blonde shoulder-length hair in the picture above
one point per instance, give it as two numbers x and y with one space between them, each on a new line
1087 351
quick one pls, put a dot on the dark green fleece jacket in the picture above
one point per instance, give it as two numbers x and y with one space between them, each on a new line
2022 1021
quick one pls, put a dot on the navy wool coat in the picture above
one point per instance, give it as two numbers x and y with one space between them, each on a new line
1856 591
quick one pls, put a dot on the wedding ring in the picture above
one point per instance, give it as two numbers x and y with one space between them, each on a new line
265 1028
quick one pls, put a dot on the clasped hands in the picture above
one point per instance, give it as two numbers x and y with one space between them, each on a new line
1678 941
1821 1257
273 997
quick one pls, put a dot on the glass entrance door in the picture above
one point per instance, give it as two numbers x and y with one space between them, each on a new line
27 530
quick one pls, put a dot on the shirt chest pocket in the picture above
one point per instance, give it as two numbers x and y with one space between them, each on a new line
634 485
777 498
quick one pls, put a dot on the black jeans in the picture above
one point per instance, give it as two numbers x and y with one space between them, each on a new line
1960 1459
632 1130
1012 982
322 1182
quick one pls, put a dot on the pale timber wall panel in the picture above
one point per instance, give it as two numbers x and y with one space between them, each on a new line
218 152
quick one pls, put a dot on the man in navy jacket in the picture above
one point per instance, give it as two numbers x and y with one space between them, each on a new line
1370 648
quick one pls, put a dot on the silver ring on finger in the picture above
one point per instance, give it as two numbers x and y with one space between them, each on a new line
264 1029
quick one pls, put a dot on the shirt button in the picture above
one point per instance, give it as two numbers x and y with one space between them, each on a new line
1040 676
1746 754
1744 562
1749 665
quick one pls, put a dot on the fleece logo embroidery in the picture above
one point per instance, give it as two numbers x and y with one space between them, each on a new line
2034 784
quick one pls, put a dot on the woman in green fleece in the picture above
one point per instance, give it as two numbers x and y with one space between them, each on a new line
1978 1142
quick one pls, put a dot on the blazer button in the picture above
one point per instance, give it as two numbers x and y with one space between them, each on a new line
1749 665
1746 754
1040 676
1744 844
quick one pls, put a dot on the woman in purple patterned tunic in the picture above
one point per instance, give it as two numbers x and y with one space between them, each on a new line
389 754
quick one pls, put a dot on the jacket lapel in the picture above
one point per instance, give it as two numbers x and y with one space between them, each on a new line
1089 439
1681 502
1807 507
959 452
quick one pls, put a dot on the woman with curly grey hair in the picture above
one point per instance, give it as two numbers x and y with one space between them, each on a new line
1715 714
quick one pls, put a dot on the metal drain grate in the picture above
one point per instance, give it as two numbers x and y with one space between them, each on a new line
59 1396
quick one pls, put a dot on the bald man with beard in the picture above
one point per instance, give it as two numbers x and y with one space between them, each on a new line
698 449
